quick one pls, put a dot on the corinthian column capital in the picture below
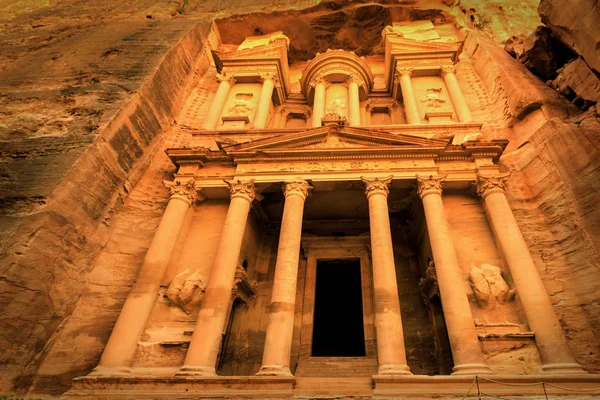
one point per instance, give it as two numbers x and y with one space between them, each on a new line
429 185
404 70
297 188
377 186
243 189
185 191
448 69
226 78
267 76
487 185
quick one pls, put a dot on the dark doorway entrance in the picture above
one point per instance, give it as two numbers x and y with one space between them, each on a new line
338 318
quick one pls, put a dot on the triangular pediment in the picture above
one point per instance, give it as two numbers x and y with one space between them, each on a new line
333 138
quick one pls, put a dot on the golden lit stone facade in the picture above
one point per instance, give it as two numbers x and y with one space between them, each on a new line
348 166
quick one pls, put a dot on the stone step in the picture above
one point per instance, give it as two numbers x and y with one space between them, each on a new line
333 387
337 367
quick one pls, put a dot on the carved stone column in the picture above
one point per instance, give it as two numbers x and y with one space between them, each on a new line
549 337
464 343
458 100
264 102
218 102
278 343
408 95
120 349
206 340
354 102
391 353
318 103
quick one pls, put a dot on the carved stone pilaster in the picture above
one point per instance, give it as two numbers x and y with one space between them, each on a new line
429 185
185 191
226 78
487 185
297 188
377 186
448 69
243 189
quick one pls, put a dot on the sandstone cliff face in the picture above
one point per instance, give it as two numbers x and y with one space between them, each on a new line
88 97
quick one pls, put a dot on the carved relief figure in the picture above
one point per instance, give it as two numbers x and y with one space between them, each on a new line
242 104
489 287
432 98
187 289
337 110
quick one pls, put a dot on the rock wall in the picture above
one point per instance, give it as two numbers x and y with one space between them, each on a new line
77 136
88 93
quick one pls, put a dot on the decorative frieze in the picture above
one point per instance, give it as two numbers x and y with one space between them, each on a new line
429 185
487 185
377 186
243 189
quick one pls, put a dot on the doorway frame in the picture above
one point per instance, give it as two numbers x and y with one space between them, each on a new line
337 248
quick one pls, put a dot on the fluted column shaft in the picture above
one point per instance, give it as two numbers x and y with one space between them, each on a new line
318 104
408 96
464 343
120 349
391 353
218 102
549 337
456 95
354 100
264 102
206 340
278 342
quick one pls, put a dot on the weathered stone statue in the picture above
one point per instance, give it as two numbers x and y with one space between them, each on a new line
489 287
187 289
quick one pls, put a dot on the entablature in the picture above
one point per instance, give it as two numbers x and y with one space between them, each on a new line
335 153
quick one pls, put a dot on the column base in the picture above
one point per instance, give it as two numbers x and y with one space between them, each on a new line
471 369
196 370
563 368
393 369
274 370
101 370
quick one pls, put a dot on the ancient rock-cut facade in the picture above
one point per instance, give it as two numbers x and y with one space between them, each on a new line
336 225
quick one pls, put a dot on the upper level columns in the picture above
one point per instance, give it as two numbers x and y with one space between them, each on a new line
408 95
354 102
318 103
278 342
218 102
264 101
391 353
464 343
458 100
549 337
122 344
206 340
